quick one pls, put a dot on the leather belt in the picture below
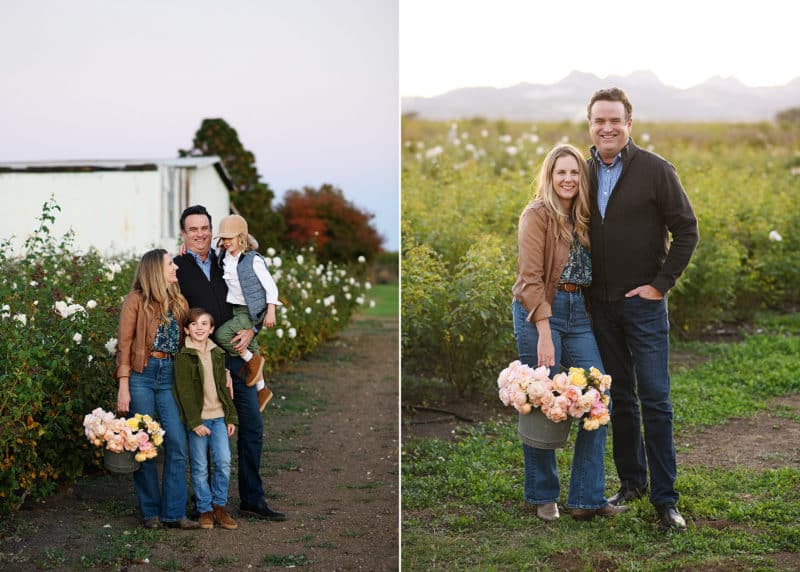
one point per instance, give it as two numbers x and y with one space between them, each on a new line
161 355
569 287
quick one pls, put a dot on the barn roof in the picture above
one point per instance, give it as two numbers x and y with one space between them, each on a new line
91 165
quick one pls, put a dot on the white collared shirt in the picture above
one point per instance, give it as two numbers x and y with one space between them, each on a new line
231 277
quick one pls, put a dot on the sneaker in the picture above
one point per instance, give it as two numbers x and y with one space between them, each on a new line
547 512
254 369
264 395
223 519
206 519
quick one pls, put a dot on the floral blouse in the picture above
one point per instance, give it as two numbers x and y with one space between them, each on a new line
168 336
579 264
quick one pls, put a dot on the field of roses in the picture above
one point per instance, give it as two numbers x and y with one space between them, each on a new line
464 184
58 322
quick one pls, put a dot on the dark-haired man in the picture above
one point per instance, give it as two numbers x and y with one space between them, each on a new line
201 282
637 201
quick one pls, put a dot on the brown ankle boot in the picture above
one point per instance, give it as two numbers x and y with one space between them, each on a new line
254 367
264 395
223 519
206 519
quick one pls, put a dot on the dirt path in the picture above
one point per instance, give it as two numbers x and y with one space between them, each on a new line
330 463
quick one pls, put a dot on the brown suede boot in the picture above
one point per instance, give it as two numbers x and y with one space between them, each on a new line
206 519
223 519
264 395
254 370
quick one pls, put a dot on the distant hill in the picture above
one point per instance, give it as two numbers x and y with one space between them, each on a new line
723 99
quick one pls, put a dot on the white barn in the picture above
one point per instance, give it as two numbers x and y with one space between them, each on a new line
117 206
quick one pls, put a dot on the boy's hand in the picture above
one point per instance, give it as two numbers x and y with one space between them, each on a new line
269 319
231 429
202 431
229 381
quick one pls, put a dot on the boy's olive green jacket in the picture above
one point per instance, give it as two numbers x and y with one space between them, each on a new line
188 386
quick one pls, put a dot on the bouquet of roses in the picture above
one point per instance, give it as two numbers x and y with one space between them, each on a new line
139 434
579 393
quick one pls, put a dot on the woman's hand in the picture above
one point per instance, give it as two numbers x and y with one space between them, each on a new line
546 351
123 396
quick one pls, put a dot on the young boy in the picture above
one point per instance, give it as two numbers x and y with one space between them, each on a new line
209 415
253 294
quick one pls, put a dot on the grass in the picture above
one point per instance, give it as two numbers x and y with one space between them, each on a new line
386 298
463 506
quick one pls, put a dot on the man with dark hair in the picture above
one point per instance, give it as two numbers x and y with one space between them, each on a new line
637 201
201 282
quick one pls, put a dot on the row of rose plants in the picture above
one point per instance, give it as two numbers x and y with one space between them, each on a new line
58 320
465 183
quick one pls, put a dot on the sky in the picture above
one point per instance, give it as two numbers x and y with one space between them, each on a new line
449 44
310 86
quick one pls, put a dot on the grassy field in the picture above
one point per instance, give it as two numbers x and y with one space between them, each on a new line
386 300
463 506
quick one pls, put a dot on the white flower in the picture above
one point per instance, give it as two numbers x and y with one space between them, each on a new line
504 139
367 285
91 304
645 137
434 152
361 260
348 295
21 318
292 333
77 338
279 332
270 251
91 357
372 303
511 150
308 310
300 259
360 300
111 346
34 283
277 262
65 310
775 236
333 312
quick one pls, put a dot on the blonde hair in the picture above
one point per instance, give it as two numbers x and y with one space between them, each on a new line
241 238
545 191
158 296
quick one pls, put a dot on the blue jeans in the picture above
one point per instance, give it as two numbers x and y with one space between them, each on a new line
574 347
250 434
633 336
217 492
151 394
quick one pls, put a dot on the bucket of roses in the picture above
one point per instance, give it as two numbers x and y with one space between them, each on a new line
125 442
547 406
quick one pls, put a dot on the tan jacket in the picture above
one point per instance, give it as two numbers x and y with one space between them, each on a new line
542 258
135 336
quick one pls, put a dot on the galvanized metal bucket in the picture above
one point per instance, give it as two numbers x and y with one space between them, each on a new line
120 463
536 430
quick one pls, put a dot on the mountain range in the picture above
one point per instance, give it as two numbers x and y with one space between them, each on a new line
723 99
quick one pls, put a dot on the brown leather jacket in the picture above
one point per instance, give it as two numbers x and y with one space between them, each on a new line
135 336
542 257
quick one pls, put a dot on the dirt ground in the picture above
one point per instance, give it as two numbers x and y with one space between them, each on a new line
330 463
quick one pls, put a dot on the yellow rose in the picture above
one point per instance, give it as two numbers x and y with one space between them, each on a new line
133 422
577 376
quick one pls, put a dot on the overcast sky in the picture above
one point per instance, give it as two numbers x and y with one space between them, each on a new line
448 44
310 86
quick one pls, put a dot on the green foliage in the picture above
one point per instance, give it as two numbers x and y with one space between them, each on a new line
467 180
452 318
252 198
463 500
58 321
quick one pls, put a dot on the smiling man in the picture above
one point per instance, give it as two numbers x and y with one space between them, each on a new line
637 201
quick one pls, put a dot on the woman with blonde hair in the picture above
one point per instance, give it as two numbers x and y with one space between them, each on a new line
552 327
149 335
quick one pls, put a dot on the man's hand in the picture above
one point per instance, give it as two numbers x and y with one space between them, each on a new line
242 339
647 292
229 381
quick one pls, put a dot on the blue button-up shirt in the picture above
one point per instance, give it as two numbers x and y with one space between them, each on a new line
205 265
607 177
